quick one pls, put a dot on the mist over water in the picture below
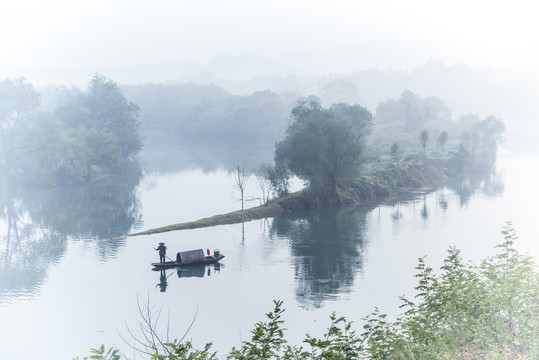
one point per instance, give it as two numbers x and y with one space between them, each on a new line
214 83
85 277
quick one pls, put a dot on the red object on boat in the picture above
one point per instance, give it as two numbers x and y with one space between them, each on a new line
208 251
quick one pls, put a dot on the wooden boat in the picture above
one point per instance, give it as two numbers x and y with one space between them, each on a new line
191 257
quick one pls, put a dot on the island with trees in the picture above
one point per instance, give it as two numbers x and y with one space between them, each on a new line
345 155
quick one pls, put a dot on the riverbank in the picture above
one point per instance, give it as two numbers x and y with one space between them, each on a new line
378 184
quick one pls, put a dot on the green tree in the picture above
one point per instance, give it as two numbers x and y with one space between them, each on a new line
103 129
47 152
109 111
324 146
340 91
466 312
278 177
395 152
18 102
435 112
390 112
485 137
413 109
267 341
442 139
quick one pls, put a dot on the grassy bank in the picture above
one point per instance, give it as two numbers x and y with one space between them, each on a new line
377 184
260 212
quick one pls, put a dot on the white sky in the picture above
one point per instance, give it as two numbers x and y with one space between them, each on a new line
327 34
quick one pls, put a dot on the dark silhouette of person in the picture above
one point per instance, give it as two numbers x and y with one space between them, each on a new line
162 252
163 281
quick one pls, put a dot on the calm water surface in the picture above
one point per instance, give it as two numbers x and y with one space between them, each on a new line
70 280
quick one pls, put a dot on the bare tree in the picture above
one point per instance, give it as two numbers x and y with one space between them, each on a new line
241 178
149 341
264 182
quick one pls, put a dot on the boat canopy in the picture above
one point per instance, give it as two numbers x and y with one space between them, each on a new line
191 256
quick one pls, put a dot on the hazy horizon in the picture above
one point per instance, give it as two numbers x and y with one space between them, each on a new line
315 38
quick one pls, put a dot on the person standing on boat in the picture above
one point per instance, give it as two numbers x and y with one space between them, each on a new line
162 252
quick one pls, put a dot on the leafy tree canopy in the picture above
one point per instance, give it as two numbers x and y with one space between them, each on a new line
324 146
95 133
18 101
413 112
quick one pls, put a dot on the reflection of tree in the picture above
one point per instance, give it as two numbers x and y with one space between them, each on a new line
486 181
327 249
444 204
101 210
39 222
424 209
397 214
25 260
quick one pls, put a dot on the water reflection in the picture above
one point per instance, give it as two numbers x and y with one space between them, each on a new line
327 251
163 283
102 210
487 181
199 271
173 159
424 209
444 204
328 247
35 225
24 264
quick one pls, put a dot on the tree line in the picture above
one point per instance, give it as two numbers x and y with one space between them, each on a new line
90 134
93 134
205 115
344 151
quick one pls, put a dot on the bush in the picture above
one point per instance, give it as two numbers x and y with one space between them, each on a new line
490 311
467 312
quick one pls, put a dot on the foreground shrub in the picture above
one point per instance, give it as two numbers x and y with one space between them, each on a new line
466 312
490 311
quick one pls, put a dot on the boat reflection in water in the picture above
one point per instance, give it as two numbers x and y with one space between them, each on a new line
200 271
190 258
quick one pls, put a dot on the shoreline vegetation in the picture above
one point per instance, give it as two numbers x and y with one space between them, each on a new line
382 185
461 311
345 160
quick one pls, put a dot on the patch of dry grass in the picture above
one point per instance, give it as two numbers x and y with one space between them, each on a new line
260 212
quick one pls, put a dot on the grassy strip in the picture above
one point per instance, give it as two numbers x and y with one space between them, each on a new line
235 217
380 183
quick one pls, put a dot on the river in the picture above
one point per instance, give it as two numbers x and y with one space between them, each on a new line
70 279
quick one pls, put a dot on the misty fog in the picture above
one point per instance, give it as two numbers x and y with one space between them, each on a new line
123 116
